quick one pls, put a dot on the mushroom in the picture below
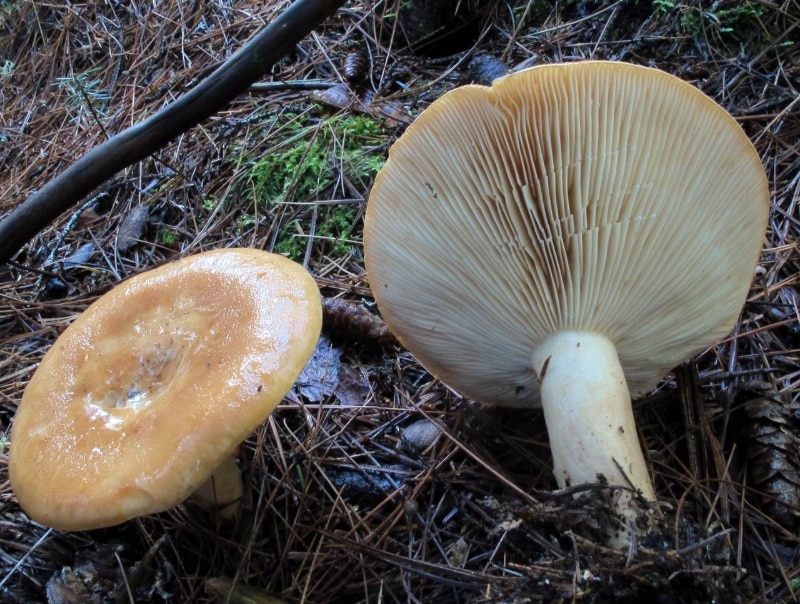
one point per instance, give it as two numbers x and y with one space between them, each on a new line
565 237
155 385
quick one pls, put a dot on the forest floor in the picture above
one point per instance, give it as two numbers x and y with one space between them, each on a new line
342 503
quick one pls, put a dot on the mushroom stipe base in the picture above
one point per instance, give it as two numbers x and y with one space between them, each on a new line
590 424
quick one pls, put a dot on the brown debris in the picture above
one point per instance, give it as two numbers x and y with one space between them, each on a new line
354 322
771 443
132 227
223 590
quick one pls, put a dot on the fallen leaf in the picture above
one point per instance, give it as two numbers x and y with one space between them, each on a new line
325 375
132 226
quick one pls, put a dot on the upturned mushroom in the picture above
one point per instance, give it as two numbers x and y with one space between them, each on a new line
565 237
148 393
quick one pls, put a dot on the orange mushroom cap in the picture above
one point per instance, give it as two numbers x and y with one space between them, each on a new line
156 383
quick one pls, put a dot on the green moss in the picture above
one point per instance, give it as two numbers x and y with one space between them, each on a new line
168 237
290 243
662 7
730 19
337 228
739 17
312 157
334 228
308 160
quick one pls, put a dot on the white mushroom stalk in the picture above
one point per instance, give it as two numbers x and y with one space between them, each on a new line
222 491
587 409
563 237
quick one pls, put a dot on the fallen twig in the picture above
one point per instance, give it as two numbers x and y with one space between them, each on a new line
137 142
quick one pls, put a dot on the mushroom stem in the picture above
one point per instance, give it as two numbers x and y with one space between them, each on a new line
587 409
222 490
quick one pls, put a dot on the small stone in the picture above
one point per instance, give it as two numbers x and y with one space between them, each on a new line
485 69
419 436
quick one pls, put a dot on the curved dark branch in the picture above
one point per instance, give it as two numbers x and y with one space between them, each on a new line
134 144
